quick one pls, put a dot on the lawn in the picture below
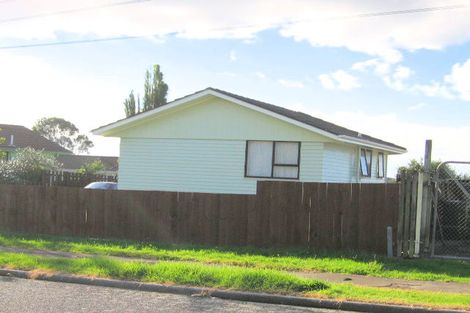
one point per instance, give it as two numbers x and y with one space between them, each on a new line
229 277
274 259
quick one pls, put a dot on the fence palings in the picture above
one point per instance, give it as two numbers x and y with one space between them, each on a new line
283 214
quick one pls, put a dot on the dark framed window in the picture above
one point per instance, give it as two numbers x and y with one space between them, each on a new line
272 159
380 165
365 162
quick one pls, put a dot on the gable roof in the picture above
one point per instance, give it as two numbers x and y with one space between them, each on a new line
24 137
74 162
298 118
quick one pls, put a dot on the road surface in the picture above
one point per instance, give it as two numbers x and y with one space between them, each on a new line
25 295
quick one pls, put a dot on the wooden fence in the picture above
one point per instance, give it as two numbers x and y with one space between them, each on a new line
57 178
282 214
69 179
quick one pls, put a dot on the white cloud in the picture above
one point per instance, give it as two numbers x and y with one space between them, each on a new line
459 80
417 106
260 75
455 85
291 83
396 80
340 80
393 75
433 89
383 36
233 56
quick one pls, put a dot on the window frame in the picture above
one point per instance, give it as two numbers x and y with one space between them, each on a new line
380 155
273 162
368 164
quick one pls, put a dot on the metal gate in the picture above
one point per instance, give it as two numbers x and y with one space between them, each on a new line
451 222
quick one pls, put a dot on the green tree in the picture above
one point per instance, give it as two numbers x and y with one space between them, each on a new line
27 166
63 132
155 92
92 167
155 89
129 105
415 166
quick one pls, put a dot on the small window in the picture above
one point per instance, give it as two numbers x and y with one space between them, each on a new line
278 159
259 158
365 162
380 165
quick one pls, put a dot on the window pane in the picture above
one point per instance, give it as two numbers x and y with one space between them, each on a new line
259 158
286 153
364 167
285 171
380 165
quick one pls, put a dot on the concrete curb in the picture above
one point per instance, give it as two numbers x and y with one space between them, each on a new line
224 294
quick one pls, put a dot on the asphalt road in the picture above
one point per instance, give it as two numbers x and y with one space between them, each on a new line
25 295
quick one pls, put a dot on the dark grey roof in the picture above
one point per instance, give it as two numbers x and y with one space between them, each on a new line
308 119
74 162
24 137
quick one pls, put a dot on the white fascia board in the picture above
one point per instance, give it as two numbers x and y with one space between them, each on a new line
370 144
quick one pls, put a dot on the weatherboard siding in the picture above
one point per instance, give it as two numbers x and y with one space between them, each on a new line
218 119
339 163
311 161
190 165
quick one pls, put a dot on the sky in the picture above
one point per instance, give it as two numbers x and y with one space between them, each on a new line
396 70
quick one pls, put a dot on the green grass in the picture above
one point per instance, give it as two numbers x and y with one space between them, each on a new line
288 260
229 277
167 272
394 296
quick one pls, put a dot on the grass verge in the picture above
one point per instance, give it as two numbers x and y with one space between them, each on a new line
229 277
350 292
167 272
289 260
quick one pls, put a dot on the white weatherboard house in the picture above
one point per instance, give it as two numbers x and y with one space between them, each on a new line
218 142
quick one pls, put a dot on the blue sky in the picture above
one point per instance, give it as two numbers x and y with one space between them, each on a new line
400 78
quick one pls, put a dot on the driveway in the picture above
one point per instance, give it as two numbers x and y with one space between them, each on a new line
25 295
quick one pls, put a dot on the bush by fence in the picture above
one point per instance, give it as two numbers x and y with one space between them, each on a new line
293 214
59 178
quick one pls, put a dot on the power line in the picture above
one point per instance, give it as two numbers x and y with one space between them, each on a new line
411 11
119 38
68 11
71 42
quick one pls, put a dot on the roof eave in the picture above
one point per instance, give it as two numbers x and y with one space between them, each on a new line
371 144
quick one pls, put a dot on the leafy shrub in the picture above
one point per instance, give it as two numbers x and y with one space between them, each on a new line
27 166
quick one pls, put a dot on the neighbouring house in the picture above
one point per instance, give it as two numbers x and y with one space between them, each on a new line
218 142
73 162
18 137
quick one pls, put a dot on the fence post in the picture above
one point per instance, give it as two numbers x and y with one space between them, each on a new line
419 210
426 212
401 216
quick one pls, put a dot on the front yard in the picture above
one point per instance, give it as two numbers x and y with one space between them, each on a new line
264 270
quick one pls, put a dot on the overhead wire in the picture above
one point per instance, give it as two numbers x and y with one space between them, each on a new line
70 11
120 38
